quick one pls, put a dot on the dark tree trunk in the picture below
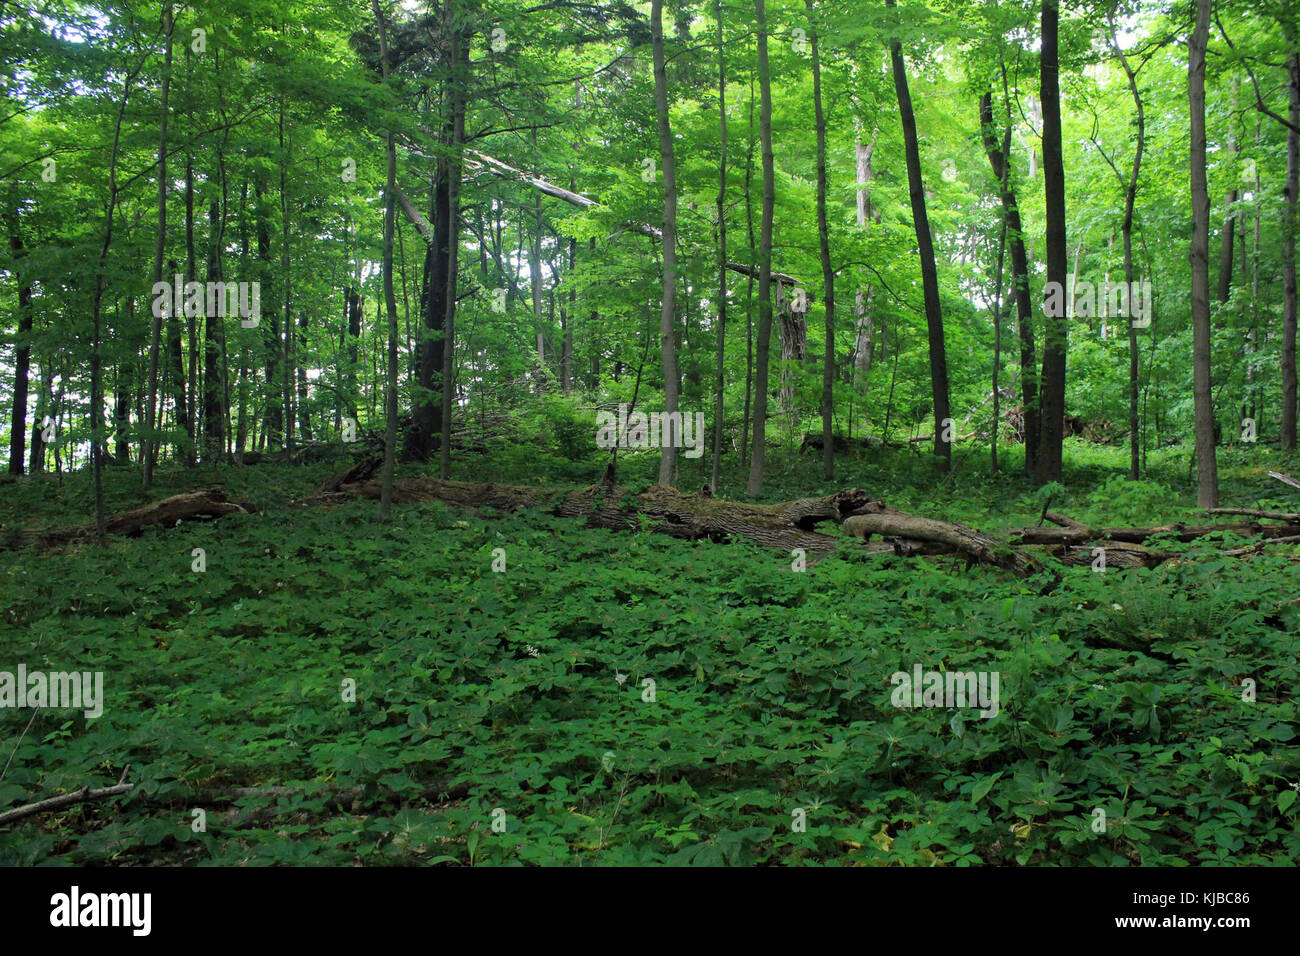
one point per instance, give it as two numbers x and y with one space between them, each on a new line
828 274
1207 478
22 357
1020 285
1055 337
758 453
925 252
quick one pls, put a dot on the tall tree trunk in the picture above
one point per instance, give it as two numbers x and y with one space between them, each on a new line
668 352
460 62
304 412
1126 229
287 390
390 298
1227 233
1019 276
749 285
213 410
96 343
23 356
425 411
862 345
1292 220
925 252
719 380
44 406
762 352
191 320
1055 336
1207 477
122 387
535 283
274 411
148 446
828 274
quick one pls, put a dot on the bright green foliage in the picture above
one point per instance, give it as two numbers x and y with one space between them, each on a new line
523 691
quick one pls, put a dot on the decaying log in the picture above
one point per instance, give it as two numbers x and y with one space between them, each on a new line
205 503
784 526
1256 513
974 544
1118 554
1078 534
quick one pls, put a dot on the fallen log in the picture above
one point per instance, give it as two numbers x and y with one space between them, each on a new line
191 505
1256 513
784 526
958 537
1079 534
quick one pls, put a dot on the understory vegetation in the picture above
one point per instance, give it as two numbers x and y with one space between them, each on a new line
523 691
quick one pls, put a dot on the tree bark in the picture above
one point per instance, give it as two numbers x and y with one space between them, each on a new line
925 252
390 299
1292 223
148 446
828 274
1055 338
719 373
762 352
459 58
1126 229
1020 282
23 353
1207 478
667 348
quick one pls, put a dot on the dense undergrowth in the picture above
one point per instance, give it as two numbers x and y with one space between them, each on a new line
520 696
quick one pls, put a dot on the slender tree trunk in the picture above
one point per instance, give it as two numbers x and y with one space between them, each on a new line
668 352
925 250
828 274
758 453
862 346
274 411
1207 478
191 319
1126 229
1227 233
1019 275
96 356
122 395
147 447
390 298
23 353
447 384
1055 338
44 406
213 412
287 389
749 285
1292 223
719 379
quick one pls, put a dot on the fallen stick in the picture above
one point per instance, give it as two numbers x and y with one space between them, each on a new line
63 800
1256 513
1285 479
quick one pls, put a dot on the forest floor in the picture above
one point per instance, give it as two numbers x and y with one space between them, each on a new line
620 698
